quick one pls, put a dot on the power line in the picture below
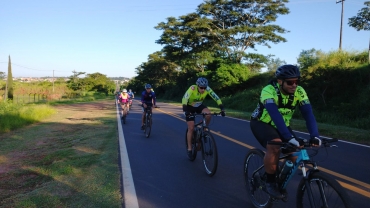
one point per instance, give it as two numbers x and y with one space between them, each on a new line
32 68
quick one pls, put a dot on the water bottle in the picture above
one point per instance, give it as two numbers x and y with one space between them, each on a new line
285 171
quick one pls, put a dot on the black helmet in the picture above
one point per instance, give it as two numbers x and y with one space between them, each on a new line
287 71
202 82
148 86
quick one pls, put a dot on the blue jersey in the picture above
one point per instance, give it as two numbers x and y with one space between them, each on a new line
148 97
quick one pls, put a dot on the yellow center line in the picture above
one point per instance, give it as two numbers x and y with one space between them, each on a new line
345 185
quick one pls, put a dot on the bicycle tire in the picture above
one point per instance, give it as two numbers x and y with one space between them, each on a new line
148 125
124 114
335 194
193 146
209 153
255 181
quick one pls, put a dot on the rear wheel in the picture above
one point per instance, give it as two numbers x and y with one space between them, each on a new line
254 178
193 146
124 114
325 192
209 153
148 125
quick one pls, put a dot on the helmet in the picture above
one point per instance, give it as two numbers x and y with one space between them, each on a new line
202 82
287 71
129 90
124 90
148 86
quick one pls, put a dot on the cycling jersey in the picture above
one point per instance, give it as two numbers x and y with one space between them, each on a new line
194 98
123 97
131 94
286 103
148 97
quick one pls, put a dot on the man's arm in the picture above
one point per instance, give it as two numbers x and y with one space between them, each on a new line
277 118
306 110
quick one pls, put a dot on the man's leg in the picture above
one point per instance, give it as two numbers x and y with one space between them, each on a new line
190 133
270 161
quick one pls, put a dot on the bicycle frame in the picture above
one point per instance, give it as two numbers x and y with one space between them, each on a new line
302 159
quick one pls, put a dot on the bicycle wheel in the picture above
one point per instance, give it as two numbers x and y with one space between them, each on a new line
193 146
255 177
124 114
209 153
325 191
148 125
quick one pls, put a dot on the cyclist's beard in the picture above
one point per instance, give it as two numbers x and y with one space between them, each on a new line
285 89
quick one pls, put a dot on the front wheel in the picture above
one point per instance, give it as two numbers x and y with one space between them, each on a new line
324 191
148 125
255 177
209 153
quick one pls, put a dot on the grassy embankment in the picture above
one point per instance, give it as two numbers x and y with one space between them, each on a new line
68 159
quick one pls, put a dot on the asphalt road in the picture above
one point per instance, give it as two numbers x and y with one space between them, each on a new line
162 176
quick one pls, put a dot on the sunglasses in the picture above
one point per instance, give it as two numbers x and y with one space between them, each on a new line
291 82
202 88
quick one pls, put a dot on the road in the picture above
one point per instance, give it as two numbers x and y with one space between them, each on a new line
157 172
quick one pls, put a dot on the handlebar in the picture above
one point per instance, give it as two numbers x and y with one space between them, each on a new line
305 142
204 114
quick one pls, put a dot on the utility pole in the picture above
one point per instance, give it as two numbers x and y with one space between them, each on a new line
341 24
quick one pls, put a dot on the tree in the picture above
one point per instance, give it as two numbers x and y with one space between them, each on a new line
10 81
228 27
273 64
308 58
2 75
74 82
362 20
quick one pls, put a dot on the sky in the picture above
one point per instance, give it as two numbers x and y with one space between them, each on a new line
113 37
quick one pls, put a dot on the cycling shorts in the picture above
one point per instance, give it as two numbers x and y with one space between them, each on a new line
265 132
193 110
147 104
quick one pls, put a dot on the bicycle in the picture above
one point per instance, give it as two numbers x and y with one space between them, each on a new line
203 140
148 121
316 189
124 112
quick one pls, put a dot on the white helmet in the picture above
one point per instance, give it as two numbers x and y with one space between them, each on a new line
124 90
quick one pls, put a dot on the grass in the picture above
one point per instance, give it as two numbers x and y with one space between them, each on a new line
69 159
14 116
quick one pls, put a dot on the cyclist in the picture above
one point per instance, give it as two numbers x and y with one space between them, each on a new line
270 120
192 102
131 94
123 99
147 99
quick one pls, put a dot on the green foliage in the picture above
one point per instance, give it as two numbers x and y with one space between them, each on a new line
10 88
2 75
362 20
308 58
14 116
229 74
273 64
92 82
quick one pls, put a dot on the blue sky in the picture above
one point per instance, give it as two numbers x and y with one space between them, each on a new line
113 37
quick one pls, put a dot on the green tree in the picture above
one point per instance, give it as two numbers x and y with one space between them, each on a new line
273 64
229 27
362 20
308 58
99 82
2 75
75 82
10 88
